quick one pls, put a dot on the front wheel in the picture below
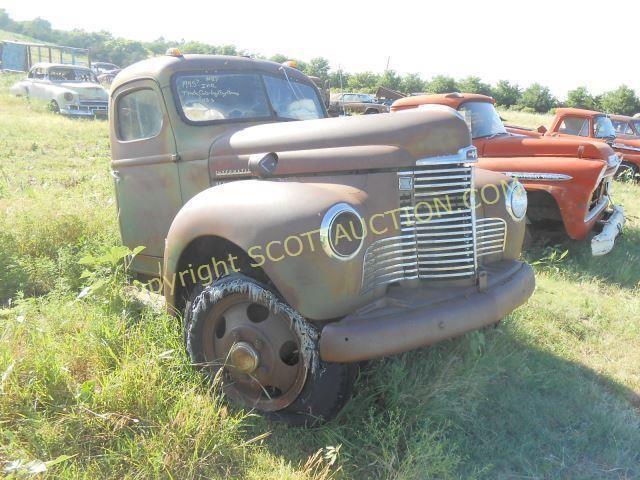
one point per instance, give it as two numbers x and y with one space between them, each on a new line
264 351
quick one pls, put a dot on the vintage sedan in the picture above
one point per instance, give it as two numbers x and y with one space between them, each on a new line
358 103
68 89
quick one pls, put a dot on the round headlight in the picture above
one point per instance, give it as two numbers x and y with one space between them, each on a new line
342 232
516 200
68 96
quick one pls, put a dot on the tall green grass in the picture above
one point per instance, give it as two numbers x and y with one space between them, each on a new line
99 386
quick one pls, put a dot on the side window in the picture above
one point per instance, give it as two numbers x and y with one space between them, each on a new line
139 115
575 126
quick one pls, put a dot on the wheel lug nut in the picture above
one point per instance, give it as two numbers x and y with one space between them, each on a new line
258 343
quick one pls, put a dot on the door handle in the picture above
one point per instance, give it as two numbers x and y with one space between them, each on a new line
175 158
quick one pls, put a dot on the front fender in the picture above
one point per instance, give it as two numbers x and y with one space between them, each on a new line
570 181
259 217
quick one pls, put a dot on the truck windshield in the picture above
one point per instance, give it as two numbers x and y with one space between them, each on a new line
603 127
483 120
205 98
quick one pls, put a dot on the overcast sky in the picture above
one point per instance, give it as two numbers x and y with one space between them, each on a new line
561 44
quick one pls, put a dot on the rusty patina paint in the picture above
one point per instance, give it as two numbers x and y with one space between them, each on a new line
192 181
579 161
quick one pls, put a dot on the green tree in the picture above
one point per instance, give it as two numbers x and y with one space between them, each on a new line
318 67
581 98
412 83
38 28
279 58
474 85
390 79
506 94
124 52
363 82
621 101
538 98
5 20
441 84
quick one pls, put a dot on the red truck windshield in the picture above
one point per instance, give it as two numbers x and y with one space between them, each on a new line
482 118
206 98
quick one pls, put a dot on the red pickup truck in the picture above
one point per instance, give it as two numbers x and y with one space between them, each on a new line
588 124
567 180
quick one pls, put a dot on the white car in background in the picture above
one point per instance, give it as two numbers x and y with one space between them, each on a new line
68 89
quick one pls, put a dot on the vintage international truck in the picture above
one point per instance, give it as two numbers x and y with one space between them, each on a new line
295 246
567 180
579 124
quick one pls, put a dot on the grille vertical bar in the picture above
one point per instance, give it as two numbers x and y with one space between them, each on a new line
439 213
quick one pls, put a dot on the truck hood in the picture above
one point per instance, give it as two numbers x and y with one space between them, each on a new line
524 146
86 90
364 142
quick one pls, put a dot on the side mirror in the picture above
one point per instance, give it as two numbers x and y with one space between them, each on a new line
542 129
263 164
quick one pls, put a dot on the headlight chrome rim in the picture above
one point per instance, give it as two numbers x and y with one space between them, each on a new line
515 187
325 231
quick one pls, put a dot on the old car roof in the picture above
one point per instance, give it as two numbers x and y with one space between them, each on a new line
50 65
578 111
622 118
453 100
161 68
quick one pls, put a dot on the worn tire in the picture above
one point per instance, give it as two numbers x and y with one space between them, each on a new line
328 386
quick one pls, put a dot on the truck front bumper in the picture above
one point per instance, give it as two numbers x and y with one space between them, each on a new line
409 318
603 243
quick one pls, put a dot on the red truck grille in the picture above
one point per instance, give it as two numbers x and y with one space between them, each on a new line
439 237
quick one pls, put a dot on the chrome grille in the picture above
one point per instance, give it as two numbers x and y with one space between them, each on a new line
491 234
438 213
437 228
439 237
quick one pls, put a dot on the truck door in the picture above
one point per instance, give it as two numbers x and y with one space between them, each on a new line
144 166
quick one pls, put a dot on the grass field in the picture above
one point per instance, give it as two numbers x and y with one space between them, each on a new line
99 387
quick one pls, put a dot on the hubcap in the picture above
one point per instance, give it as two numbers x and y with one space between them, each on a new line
243 358
259 352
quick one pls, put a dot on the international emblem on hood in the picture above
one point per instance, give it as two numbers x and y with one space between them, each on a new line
405 183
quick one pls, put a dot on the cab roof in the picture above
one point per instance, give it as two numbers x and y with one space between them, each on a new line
453 100
162 68
578 111
623 118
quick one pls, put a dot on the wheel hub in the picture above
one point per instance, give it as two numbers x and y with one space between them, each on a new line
260 353
243 358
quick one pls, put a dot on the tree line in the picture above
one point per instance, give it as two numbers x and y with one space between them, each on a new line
534 98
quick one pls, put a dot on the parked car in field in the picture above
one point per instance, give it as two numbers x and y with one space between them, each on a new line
567 180
577 123
626 126
106 78
69 89
358 103
103 67
295 245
